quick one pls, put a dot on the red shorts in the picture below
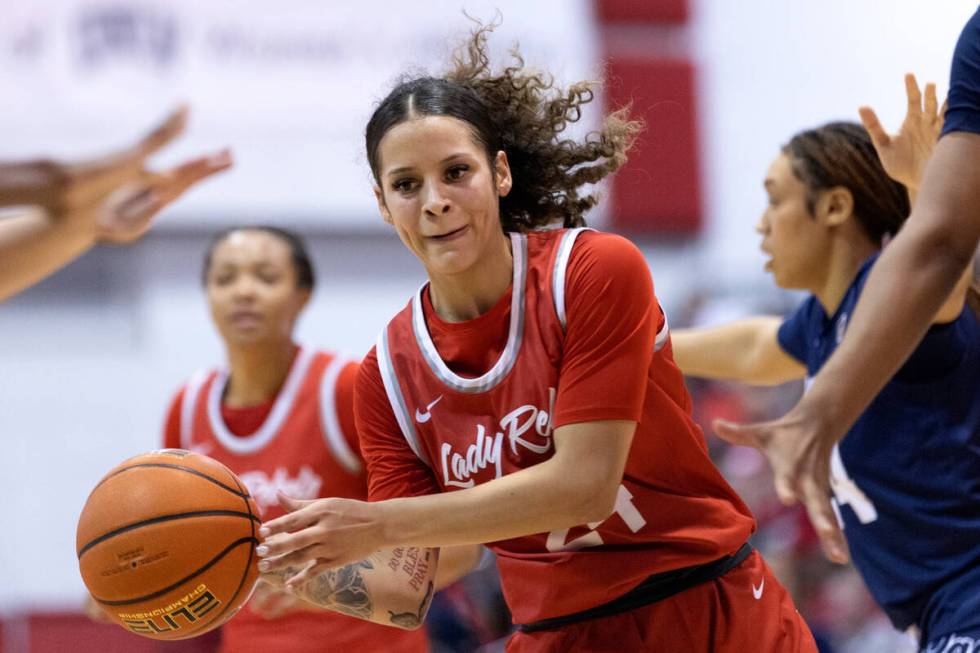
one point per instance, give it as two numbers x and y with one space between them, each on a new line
745 610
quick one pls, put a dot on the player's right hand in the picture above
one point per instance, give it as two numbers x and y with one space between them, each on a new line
904 155
117 194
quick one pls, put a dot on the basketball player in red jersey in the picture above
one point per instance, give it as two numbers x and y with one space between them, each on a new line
527 397
281 417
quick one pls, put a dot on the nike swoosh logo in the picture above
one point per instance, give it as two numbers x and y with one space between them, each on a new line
421 417
757 591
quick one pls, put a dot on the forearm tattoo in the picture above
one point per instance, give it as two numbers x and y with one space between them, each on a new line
343 590
413 620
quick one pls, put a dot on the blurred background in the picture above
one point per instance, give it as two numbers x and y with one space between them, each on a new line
91 357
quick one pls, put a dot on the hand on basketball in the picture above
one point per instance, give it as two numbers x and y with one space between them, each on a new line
798 446
116 194
317 535
904 154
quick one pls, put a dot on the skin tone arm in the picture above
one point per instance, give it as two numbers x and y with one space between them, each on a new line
906 289
747 350
577 485
271 601
75 205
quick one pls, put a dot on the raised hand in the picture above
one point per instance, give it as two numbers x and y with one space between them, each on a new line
126 214
905 153
799 452
116 194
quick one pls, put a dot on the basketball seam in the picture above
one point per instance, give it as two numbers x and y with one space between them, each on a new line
198 572
220 618
189 470
166 518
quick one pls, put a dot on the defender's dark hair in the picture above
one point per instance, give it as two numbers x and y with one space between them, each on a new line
305 277
522 113
842 154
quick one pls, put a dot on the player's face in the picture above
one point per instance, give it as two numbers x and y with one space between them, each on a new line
796 243
440 193
252 290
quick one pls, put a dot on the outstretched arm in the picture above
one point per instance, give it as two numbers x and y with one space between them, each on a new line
906 292
75 205
747 350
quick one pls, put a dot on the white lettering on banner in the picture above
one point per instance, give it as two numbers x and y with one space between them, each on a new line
624 508
458 470
305 485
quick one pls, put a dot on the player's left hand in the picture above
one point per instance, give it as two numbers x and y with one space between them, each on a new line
798 446
317 535
904 155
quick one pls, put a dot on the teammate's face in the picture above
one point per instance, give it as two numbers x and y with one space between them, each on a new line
440 193
796 242
252 290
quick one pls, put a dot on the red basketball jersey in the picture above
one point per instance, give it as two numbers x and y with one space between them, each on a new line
673 508
307 448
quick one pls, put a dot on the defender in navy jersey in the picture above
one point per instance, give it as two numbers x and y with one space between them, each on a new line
906 478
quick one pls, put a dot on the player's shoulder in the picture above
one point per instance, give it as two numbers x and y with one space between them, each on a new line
607 249
368 370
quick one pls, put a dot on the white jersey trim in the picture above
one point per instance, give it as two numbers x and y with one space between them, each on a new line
188 406
270 427
395 398
561 268
662 336
515 334
333 433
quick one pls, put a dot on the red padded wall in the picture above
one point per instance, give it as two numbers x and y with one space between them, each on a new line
642 11
658 190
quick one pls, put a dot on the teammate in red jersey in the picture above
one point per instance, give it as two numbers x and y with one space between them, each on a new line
280 416
527 397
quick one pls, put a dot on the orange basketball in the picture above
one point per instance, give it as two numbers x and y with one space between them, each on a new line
166 544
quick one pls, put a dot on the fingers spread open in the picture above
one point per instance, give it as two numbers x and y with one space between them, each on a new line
180 178
786 486
816 498
163 133
873 126
746 435
931 102
913 94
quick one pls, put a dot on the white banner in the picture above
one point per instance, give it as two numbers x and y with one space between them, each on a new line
289 86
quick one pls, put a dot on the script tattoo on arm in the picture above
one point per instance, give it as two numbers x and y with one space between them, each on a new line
343 590
413 620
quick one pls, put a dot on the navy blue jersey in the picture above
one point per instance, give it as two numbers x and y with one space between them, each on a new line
963 108
906 477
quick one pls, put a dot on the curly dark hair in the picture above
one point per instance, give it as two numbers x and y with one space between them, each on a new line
522 113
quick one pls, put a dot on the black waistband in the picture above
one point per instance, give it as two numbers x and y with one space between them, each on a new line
655 588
